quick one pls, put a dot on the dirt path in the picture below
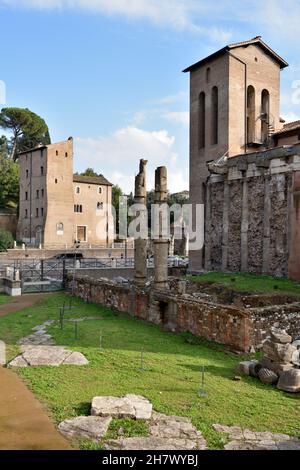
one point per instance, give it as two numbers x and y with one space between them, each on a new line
24 424
19 303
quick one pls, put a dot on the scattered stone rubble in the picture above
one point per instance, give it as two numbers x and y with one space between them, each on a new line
280 364
248 440
165 432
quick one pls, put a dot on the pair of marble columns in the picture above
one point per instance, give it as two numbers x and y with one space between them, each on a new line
161 242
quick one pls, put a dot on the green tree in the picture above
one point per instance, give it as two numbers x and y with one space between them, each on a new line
89 172
116 194
3 147
6 240
9 182
27 128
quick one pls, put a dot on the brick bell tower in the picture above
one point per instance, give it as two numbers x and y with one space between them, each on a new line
234 109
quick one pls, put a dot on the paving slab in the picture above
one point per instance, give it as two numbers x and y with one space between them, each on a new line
85 427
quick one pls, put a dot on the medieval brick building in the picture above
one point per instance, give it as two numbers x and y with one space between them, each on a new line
235 111
58 208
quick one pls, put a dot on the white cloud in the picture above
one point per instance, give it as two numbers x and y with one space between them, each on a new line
178 14
117 156
290 116
181 117
172 99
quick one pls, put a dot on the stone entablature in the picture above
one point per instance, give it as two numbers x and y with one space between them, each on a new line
252 213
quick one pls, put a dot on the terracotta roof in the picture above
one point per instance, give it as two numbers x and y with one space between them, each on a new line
99 180
290 126
257 40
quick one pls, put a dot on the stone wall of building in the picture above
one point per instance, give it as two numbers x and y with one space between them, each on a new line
252 217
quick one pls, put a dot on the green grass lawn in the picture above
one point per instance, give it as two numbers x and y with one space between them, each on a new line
171 379
244 282
4 299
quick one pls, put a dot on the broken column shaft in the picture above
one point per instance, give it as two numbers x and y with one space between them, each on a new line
161 238
140 245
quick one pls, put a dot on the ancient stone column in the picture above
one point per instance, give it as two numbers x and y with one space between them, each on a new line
140 246
161 241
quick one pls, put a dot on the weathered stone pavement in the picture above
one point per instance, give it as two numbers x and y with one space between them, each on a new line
38 350
248 440
130 406
165 432
34 356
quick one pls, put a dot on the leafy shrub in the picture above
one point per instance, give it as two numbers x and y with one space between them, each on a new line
6 240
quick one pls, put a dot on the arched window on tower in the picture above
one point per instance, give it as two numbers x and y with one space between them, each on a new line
214 115
265 115
250 114
202 120
208 75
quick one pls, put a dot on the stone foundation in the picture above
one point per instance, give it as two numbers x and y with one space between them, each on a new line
241 322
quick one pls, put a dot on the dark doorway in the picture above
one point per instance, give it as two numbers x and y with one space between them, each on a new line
163 312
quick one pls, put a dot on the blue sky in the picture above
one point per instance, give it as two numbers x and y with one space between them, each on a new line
108 72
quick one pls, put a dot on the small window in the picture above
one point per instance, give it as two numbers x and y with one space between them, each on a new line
26 213
202 121
100 190
55 180
27 173
37 213
42 193
60 228
214 116
100 206
57 153
42 170
66 154
77 190
26 196
38 194
208 75
78 208
42 212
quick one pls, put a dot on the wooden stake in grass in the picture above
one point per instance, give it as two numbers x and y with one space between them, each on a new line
142 369
100 340
202 393
76 330
61 318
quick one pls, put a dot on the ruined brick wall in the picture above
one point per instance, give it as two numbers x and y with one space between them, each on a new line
219 323
249 217
240 326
